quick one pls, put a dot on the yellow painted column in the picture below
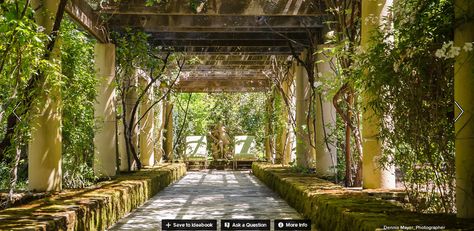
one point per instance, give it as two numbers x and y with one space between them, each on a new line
130 100
268 127
464 96
373 176
159 126
326 155
168 136
279 155
303 150
285 137
122 148
268 151
104 112
282 141
45 146
292 111
147 125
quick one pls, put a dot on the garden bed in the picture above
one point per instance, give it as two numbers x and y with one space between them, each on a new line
95 208
331 207
20 198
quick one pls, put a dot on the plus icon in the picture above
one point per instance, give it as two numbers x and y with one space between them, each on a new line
168 224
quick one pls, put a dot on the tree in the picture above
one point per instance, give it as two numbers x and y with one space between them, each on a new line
26 45
134 54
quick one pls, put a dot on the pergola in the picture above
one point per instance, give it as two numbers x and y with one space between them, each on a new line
235 42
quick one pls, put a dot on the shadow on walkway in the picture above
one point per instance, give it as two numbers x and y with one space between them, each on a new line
209 194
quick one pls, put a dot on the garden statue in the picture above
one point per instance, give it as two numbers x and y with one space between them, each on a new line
220 146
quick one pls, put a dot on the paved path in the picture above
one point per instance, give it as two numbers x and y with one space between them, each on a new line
209 195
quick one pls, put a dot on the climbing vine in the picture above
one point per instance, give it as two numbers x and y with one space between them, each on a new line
343 40
138 61
414 86
78 98
25 68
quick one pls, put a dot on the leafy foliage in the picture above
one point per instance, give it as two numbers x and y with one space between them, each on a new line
78 98
22 44
415 96
240 113
139 61
343 39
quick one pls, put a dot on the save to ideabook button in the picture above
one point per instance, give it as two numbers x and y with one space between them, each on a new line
189 224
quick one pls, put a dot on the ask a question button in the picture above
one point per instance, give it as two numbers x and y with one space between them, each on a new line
245 225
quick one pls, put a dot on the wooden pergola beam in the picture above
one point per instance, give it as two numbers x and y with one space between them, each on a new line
240 57
223 89
165 36
233 41
217 7
228 67
262 50
224 78
81 12
190 52
235 72
212 85
200 23
229 43
231 62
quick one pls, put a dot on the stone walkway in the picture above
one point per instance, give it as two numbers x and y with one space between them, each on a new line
209 195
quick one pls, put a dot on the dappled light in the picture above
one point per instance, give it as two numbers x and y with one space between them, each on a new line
209 194
234 114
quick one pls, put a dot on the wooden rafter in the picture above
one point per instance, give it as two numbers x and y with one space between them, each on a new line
213 85
81 12
218 7
231 43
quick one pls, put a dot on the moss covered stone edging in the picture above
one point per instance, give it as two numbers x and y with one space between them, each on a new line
331 207
95 208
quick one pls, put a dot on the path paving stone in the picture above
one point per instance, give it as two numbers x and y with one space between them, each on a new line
209 194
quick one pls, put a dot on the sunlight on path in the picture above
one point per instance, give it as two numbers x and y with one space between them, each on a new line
209 195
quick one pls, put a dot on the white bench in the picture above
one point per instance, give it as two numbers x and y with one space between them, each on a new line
196 150
245 151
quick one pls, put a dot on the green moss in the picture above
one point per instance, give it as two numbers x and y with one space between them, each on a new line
331 207
95 208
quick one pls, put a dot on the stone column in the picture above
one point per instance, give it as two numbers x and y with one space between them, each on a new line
122 148
373 176
104 112
303 149
268 127
282 141
168 120
130 100
147 136
292 111
326 155
284 138
464 96
45 146
159 126
280 133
